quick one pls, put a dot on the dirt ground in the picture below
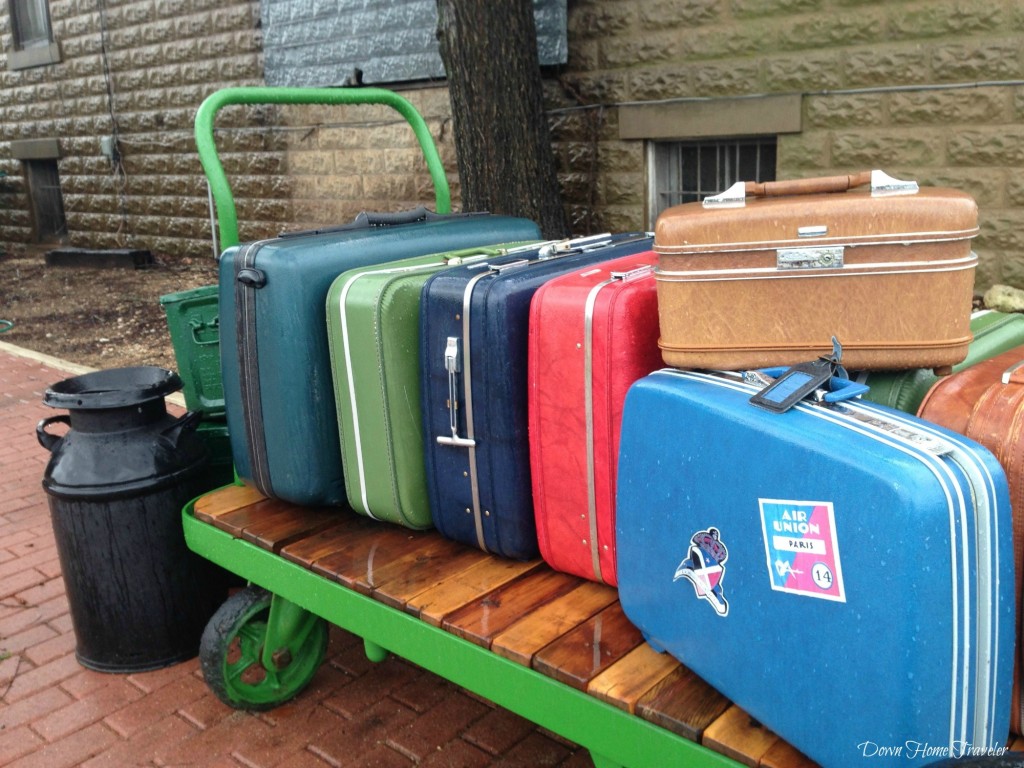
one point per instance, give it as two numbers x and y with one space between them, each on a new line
98 317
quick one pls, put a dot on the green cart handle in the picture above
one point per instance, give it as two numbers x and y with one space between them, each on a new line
227 216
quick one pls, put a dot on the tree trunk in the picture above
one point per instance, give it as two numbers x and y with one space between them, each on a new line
506 163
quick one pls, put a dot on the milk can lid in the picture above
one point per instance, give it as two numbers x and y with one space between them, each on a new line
112 388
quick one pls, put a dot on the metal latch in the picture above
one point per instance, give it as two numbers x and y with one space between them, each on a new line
453 367
632 274
809 258
918 438
884 185
507 267
573 245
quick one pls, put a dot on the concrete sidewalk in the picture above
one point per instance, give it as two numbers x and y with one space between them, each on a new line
54 713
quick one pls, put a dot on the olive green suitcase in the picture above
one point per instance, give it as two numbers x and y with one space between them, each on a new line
994 333
373 316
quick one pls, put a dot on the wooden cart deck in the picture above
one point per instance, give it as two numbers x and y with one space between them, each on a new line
550 625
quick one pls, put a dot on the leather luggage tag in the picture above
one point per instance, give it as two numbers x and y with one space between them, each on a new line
800 381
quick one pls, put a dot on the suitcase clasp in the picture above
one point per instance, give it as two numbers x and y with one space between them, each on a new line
809 258
507 267
453 367
558 248
633 274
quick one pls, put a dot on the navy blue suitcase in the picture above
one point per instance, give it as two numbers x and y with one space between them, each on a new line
842 571
473 344
275 358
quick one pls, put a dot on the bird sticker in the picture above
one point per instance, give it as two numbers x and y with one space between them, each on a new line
704 568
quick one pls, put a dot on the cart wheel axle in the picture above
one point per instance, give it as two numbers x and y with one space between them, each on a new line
232 651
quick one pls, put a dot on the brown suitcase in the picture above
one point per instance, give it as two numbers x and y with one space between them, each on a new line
986 403
766 274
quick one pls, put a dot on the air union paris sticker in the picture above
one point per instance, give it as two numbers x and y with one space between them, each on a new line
704 568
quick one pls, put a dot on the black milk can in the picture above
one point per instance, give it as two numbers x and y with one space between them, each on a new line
116 482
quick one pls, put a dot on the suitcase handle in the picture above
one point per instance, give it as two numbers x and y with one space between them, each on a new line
451 365
372 219
881 184
813 186
385 219
1014 374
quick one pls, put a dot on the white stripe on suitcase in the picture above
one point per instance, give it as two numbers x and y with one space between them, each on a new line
588 403
988 534
350 376
847 270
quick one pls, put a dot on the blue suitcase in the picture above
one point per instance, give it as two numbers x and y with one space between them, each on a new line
275 358
843 572
474 337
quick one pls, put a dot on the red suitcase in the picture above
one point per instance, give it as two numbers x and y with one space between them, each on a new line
592 333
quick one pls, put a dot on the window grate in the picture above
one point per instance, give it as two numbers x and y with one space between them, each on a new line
689 171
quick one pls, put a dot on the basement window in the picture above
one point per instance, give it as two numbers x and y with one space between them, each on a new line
688 171
32 34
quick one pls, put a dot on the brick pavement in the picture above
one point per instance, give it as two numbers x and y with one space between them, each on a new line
54 713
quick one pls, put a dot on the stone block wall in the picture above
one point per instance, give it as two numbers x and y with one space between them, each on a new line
927 89
137 70
134 71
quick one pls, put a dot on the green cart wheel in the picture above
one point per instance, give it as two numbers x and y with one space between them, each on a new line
239 668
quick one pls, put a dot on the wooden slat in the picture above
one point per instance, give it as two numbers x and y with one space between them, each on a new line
549 622
426 555
308 550
213 504
346 549
482 619
682 703
627 680
235 521
466 586
276 531
426 573
583 653
366 551
783 755
737 735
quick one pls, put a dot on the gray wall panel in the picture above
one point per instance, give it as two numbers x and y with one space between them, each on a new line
321 42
